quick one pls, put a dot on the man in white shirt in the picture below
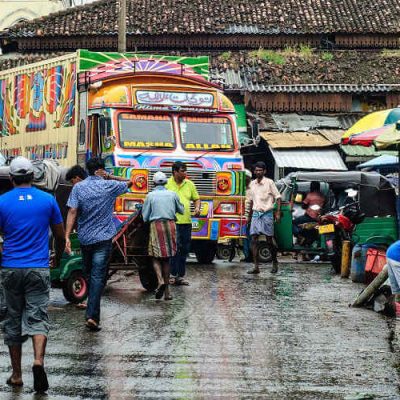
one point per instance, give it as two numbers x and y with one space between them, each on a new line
262 197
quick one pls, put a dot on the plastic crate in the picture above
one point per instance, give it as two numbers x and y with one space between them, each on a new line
376 260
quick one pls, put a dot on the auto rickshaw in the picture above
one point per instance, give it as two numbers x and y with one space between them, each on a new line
375 196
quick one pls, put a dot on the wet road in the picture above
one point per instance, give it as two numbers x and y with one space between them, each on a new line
227 336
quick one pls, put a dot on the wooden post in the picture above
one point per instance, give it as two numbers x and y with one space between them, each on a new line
122 26
346 257
368 292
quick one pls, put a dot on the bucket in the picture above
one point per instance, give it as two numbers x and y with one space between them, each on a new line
376 260
358 260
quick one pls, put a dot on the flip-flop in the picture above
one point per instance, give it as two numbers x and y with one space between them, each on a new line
93 325
253 271
40 382
14 384
160 291
182 282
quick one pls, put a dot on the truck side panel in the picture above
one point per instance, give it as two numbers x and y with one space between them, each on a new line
38 110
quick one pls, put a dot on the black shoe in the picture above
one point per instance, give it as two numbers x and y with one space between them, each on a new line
274 269
40 383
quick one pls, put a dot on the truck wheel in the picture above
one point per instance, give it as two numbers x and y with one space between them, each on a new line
205 252
223 251
264 252
148 278
75 289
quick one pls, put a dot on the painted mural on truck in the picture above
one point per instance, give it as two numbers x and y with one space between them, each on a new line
38 101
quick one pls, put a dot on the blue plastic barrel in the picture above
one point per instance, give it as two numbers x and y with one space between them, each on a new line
358 260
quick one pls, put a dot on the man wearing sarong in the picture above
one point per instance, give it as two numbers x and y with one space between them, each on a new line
160 208
262 198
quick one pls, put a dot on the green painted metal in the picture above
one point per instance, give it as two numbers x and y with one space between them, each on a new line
379 230
90 60
364 151
283 229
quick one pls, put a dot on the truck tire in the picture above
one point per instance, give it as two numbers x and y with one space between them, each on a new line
205 251
75 288
264 253
223 251
148 278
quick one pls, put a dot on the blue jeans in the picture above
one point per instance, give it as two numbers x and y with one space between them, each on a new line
95 258
183 239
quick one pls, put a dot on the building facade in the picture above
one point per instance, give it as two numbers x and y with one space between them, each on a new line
14 12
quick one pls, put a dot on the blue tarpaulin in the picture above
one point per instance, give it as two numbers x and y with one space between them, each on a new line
383 161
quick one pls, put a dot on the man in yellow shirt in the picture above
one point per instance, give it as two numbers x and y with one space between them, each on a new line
187 193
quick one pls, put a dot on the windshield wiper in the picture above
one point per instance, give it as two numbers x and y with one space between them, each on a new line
202 155
145 151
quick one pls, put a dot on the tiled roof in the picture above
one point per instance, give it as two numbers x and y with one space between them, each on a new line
266 17
307 71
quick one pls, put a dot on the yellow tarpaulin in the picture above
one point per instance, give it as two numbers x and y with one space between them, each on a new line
374 120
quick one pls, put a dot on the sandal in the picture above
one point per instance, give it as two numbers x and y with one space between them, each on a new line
14 384
181 282
253 271
92 325
160 291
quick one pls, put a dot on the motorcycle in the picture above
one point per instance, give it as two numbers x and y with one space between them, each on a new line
335 227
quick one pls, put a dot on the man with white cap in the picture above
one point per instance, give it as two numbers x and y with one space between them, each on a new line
26 214
160 208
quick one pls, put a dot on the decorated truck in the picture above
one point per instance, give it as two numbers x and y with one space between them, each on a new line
141 113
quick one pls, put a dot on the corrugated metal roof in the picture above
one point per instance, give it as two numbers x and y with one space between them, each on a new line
291 122
333 135
241 80
290 140
309 159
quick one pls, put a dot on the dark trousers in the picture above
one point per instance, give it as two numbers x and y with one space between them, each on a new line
183 239
310 234
95 258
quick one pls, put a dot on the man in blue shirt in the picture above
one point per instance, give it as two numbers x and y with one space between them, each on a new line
92 203
160 208
393 263
26 214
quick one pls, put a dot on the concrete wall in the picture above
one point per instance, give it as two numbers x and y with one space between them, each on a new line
16 10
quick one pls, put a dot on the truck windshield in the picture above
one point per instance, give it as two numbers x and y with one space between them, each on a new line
206 133
144 131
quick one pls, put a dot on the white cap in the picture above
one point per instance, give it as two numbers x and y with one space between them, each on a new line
248 173
160 178
21 166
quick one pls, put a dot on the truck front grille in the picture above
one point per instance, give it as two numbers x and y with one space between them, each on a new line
205 181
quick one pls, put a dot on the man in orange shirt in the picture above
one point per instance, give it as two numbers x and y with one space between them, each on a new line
261 200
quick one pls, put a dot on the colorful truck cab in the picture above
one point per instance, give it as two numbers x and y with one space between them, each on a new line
141 113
